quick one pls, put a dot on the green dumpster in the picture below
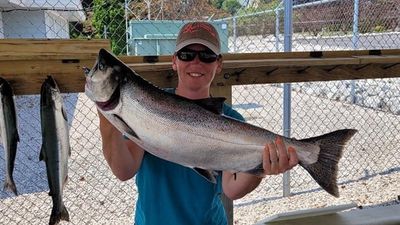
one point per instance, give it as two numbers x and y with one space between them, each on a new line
158 37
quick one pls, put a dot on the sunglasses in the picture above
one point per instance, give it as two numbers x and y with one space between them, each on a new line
205 56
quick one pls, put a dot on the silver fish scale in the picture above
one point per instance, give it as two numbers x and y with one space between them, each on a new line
186 133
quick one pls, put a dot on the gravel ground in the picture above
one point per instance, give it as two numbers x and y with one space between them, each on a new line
369 170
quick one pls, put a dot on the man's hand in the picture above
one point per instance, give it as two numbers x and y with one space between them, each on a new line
276 159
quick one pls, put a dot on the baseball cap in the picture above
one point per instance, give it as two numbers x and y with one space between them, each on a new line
198 33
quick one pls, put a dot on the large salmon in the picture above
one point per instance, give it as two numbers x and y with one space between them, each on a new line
194 133
55 146
8 132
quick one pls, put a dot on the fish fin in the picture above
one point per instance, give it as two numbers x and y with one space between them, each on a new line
64 213
42 154
125 127
9 185
257 171
16 134
209 175
65 181
64 113
58 214
325 170
214 105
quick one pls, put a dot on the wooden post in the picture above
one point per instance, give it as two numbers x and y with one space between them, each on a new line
225 91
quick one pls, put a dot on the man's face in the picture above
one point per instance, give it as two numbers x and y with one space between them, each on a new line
196 74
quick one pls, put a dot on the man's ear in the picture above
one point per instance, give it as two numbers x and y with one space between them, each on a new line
174 62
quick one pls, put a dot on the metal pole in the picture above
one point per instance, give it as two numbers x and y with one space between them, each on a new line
355 41
356 35
288 29
277 29
148 2
126 26
105 32
234 34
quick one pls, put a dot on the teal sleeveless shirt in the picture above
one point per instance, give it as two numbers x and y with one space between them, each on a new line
171 194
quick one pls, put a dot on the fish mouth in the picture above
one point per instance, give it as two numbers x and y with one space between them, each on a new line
111 103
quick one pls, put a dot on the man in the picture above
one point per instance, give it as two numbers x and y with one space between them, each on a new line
170 193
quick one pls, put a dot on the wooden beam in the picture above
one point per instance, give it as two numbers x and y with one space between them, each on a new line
30 48
26 77
26 63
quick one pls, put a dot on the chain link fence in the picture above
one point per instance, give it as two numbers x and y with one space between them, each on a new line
94 196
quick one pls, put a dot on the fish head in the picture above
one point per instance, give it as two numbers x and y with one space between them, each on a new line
104 80
2 81
50 94
5 87
51 98
2 85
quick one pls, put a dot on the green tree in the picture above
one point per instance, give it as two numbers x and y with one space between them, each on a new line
231 6
109 21
217 3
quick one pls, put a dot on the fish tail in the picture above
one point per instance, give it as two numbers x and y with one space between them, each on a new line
9 185
64 213
325 170
58 215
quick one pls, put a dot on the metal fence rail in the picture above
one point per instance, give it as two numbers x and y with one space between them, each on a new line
94 196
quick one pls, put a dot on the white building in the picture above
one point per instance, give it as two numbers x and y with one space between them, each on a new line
38 18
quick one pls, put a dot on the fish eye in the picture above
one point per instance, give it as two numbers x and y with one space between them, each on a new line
101 66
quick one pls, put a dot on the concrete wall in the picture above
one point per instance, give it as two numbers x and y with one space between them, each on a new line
56 26
34 24
24 24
